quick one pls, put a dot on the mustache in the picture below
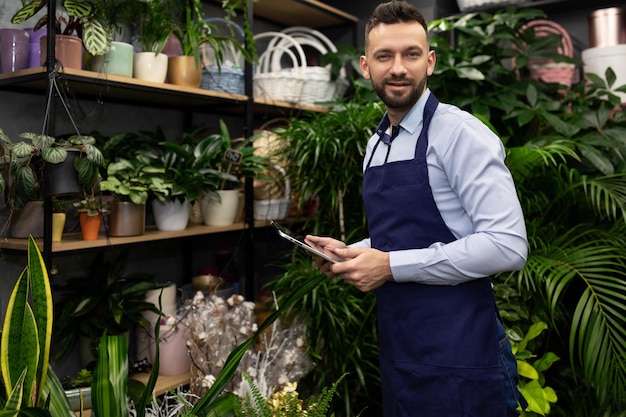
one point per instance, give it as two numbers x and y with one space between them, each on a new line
398 79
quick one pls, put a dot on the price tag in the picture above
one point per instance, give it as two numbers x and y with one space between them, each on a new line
233 156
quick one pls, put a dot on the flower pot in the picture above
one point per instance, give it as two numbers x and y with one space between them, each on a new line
182 70
90 226
118 61
34 54
28 221
58 223
127 219
68 49
14 49
220 213
150 67
61 180
74 397
174 357
171 215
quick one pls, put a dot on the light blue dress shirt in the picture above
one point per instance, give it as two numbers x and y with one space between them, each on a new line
474 192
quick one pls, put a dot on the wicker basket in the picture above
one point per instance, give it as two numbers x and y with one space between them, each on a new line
273 207
273 80
548 70
229 78
318 87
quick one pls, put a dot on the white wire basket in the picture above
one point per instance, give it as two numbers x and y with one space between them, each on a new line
274 208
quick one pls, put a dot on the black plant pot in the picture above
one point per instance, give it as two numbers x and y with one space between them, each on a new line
60 181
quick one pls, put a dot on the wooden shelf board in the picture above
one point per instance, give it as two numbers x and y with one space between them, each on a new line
165 382
132 90
310 13
73 241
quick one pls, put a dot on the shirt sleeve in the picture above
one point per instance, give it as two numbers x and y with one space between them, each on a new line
475 193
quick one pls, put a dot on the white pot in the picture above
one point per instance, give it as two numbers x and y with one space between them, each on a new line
171 215
220 213
174 356
150 67
596 60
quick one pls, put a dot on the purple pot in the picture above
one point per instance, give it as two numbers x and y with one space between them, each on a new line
14 49
34 57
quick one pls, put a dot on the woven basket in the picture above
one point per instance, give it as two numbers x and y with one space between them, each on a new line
229 78
273 80
318 87
548 70
268 205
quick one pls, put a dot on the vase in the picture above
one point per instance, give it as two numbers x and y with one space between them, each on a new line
58 223
118 61
68 50
148 66
28 221
127 219
34 53
174 356
14 49
220 213
171 215
182 70
90 226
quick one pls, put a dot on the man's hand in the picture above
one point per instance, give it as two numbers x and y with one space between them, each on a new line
365 268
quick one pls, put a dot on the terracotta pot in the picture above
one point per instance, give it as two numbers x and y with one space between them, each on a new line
90 226
182 70
68 49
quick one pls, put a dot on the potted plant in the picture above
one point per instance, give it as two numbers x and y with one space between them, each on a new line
194 33
90 210
234 160
129 180
58 219
84 23
108 300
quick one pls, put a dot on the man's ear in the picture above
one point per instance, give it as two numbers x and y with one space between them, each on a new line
432 60
365 72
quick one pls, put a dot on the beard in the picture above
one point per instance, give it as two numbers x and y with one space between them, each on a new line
405 101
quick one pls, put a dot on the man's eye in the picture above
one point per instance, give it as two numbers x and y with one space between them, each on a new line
383 57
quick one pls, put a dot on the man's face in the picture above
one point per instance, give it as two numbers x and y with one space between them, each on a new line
398 62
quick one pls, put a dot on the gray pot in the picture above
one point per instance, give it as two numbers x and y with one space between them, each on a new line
127 219
73 395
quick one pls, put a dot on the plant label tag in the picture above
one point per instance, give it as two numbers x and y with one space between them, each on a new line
233 156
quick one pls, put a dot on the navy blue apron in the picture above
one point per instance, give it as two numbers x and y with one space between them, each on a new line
438 344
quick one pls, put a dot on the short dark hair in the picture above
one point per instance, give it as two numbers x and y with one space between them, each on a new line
394 11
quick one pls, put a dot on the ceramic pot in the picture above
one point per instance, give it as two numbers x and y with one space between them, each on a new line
182 70
74 397
58 223
61 180
90 226
127 219
174 356
34 55
68 49
118 61
150 67
28 221
14 49
171 215
220 213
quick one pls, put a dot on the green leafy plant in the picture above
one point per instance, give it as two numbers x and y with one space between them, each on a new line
84 19
286 402
23 162
90 205
132 179
108 300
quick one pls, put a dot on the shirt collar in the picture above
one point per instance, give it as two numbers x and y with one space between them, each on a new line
410 122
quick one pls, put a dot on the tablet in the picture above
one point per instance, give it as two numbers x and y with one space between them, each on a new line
299 240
